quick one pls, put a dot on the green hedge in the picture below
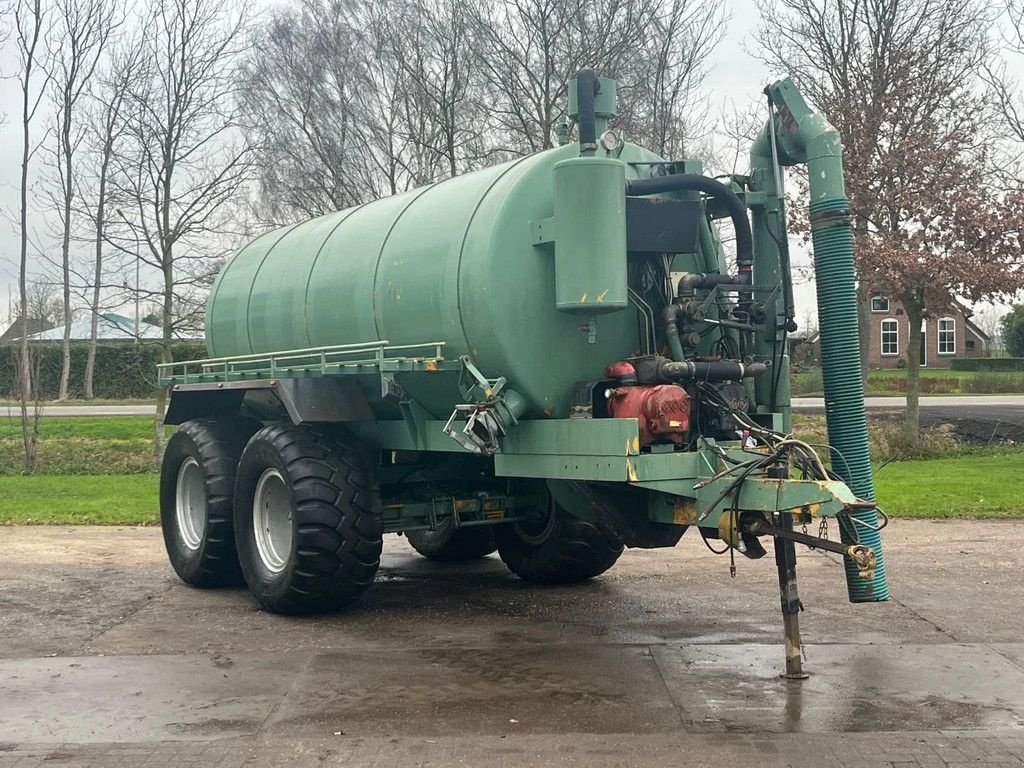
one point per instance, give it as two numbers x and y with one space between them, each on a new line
122 370
988 364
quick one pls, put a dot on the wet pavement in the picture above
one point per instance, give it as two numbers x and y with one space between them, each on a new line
107 660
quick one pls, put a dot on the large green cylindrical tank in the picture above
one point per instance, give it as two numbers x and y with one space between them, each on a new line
454 262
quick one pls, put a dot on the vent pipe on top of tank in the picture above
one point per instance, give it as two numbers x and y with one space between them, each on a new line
800 135
590 210
586 90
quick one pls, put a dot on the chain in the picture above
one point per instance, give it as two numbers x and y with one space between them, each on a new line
823 528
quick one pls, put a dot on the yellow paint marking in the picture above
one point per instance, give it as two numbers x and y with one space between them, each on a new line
636 444
601 297
631 475
684 512
583 299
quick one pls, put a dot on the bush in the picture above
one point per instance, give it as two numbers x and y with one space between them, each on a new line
806 382
994 382
988 364
122 370
1013 331
893 440
928 384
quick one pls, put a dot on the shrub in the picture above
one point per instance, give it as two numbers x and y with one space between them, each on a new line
928 384
122 370
1013 331
806 382
994 382
893 440
988 364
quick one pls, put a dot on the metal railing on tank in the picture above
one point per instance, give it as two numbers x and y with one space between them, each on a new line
363 358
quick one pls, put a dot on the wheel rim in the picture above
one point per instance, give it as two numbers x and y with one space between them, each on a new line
536 532
190 503
272 520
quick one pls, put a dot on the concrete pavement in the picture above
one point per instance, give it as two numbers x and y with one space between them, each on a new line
106 659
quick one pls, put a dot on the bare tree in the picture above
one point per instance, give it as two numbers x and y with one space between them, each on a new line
437 63
663 105
529 49
184 159
899 80
109 99
304 128
393 105
1007 99
30 23
82 30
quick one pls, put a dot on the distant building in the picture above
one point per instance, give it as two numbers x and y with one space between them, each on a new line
111 328
13 333
946 334
804 350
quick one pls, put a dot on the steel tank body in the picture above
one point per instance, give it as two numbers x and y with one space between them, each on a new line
453 262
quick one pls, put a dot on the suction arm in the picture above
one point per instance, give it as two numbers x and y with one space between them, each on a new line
796 134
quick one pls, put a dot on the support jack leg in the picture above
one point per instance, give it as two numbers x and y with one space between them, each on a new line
785 561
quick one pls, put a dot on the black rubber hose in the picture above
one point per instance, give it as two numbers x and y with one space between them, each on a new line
719 370
586 90
675 344
710 187
687 283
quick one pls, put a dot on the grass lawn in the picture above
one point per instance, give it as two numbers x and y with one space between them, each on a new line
48 403
982 486
83 427
101 470
97 499
82 445
936 383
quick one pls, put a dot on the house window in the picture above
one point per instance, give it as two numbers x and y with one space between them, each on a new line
969 343
947 336
890 338
879 304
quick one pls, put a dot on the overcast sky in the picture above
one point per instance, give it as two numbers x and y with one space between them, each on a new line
735 77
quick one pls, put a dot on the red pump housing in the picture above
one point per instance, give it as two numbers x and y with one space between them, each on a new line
662 411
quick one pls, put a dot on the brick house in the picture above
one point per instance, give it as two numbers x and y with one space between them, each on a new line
946 335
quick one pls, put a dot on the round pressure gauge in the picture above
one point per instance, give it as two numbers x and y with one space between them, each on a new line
609 140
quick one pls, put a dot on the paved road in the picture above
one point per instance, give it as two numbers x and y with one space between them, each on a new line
7 411
943 403
987 403
106 659
977 418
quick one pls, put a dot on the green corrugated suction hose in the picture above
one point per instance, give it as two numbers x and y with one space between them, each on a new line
844 389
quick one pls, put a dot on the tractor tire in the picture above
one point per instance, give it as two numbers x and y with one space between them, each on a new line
453 545
197 482
560 549
307 520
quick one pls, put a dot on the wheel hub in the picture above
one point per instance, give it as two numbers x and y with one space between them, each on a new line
190 503
536 532
272 520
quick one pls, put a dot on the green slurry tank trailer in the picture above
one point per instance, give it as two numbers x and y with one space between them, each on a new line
511 360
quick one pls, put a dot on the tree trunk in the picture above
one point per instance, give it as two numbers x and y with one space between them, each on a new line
65 253
29 428
912 422
864 329
166 355
101 212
